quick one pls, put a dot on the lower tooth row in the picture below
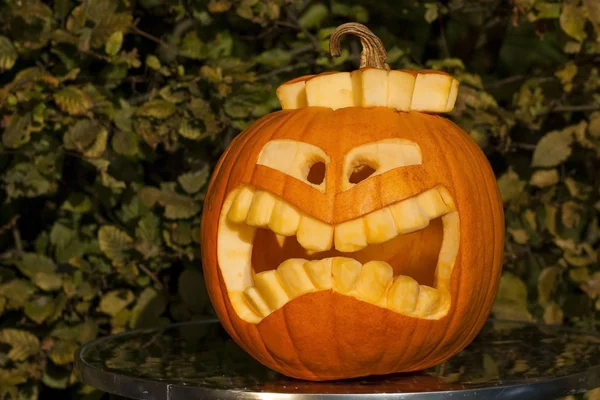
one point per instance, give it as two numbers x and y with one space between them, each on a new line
372 282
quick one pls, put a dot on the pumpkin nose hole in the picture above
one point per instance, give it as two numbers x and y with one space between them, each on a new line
316 174
360 173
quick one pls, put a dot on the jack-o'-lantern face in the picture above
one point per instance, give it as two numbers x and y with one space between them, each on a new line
343 241
399 256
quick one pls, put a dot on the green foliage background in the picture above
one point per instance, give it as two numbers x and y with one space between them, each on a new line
113 113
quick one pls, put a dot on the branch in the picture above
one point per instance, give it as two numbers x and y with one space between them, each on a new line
505 81
151 275
10 224
581 107
275 72
296 24
148 36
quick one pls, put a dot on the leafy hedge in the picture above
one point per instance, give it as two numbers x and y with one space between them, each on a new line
114 112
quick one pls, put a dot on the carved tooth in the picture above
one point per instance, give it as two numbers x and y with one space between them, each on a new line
345 272
280 240
261 208
432 204
294 278
449 249
380 226
314 234
373 280
408 216
284 219
403 294
239 209
350 235
428 300
400 89
268 285
446 197
256 302
319 272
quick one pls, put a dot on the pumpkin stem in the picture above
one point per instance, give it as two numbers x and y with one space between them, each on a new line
373 53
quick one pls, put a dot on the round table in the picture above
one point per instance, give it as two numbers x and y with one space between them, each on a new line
197 360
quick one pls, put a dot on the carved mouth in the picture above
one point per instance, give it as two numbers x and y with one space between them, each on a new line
399 257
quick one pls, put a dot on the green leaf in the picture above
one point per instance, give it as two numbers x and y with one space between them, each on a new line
178 206
23 344
593 12
274 57
148 235
190 130
114 243
182 233
511 300
192 182
96 10
73 101
40 269
25 180
56 378
572 20
18 292
547 282
115 300
431 12
192 290
87 137
17 133
8 54
125 143
153 62
117 22
158 108
63 352
510 185
40 309
544 178
148 308
314 16
192 47
552 149
114 43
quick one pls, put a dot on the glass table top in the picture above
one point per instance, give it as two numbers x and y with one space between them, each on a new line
507 360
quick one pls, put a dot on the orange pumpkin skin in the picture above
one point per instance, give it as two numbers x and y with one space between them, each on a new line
326 335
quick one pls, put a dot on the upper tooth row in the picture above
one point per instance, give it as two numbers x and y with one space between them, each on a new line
262 209
372 282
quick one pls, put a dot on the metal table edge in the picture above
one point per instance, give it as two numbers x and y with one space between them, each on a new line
150 389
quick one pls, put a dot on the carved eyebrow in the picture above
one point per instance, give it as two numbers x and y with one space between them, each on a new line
382 156
293 158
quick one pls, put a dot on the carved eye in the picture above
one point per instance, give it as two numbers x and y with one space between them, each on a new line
316 174
303 161
376 158
361 172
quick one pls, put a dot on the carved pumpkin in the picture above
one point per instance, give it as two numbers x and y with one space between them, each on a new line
355 232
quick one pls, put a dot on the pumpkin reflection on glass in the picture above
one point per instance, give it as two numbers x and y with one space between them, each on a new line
355 232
